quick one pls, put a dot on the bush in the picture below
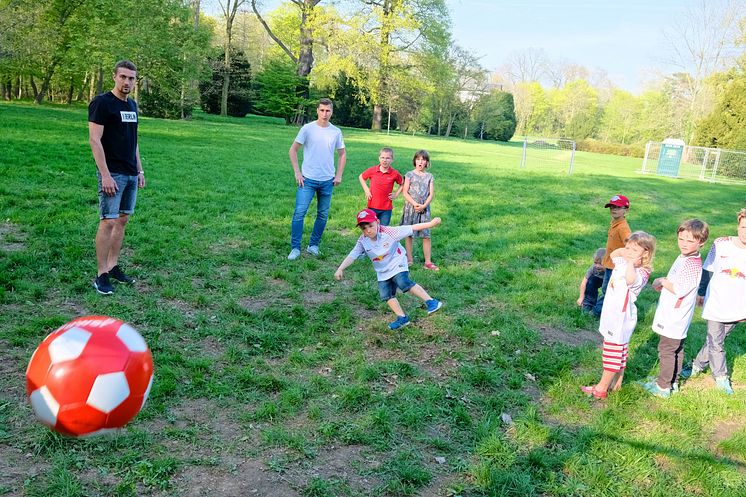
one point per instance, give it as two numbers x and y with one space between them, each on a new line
600 147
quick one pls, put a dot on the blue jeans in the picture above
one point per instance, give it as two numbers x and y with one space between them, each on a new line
600 302
303 196
384 217
387 288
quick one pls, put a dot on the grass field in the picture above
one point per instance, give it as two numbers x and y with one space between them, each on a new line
273 379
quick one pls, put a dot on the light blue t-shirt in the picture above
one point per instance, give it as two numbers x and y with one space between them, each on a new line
319 145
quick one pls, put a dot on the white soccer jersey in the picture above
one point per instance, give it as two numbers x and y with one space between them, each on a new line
619 314
675 309
385 252
725 301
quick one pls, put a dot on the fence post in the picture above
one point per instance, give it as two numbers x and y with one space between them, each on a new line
715 166
645 160
523 155
572 159
705 161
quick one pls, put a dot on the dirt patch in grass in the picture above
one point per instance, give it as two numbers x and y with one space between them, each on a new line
211 347
11 238
246 478
183 307
314 298
725 430
550 336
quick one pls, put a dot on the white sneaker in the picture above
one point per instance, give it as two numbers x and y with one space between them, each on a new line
313 250
294 254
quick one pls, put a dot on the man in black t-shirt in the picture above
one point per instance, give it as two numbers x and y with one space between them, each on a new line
112 133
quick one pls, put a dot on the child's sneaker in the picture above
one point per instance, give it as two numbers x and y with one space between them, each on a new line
691 371
653 388
433 305
723 384
401 322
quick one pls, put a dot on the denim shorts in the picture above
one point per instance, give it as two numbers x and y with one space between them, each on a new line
387 288
383 216
123 200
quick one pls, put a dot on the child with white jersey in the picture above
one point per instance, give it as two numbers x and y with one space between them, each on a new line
724 303
676 306
632 268
381 245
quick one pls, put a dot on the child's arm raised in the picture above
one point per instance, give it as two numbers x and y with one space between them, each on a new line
363 183
423 226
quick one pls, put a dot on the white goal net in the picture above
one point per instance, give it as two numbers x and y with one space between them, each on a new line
703 163
548 155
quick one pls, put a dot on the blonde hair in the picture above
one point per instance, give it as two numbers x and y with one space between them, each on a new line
598 257
647 242
698 229
741 214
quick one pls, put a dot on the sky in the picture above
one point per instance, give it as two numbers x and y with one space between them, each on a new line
623 37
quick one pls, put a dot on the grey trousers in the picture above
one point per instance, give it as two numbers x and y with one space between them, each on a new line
671 359
713 351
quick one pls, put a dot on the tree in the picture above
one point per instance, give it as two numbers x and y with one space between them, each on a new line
700 43
576 109
229 9
495 116
238 102
725 127
620 117
277 90
526 65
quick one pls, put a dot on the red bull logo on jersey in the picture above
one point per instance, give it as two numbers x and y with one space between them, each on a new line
734 273
379 258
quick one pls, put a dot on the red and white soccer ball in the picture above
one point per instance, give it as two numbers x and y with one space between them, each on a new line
90 376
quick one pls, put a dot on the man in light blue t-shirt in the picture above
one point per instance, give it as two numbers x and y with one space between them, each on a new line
316 176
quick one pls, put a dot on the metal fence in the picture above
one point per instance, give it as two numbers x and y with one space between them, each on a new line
703 163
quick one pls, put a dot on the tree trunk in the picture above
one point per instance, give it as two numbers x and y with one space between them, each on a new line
33 86
450 125
100 81
70 92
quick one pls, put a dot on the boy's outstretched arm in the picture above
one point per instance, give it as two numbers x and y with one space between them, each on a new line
423 226
347 262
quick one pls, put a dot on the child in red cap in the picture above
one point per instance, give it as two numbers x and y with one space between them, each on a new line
381 245
619 231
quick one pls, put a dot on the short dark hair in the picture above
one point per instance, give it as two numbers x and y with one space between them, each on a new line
699 229
126 64
325 101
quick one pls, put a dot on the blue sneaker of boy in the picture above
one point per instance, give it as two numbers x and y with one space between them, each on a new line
652 388
723 384
690 371
401 322
433 305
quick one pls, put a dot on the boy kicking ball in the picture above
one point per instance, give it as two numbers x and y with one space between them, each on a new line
381 245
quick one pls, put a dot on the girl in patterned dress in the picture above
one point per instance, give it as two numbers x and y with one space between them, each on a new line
418 191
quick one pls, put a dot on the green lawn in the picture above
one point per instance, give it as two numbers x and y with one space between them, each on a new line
272 377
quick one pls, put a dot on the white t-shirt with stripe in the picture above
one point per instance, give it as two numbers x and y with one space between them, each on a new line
675 309
725 301
385 252
619 313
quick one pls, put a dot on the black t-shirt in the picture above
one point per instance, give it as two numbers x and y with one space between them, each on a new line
119 119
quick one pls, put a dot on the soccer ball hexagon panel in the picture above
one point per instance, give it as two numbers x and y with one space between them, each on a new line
89 376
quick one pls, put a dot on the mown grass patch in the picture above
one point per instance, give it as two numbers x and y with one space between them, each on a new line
271 376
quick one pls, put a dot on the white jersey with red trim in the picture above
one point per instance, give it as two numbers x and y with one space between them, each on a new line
675 309
385 252
725 301
619 313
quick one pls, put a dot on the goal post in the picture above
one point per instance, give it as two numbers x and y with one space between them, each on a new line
548 154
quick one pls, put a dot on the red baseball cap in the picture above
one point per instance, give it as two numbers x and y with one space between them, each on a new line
366 216
618 201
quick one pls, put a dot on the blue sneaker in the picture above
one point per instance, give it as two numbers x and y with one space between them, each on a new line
690 371
652 388
433 305
401 322
722 383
